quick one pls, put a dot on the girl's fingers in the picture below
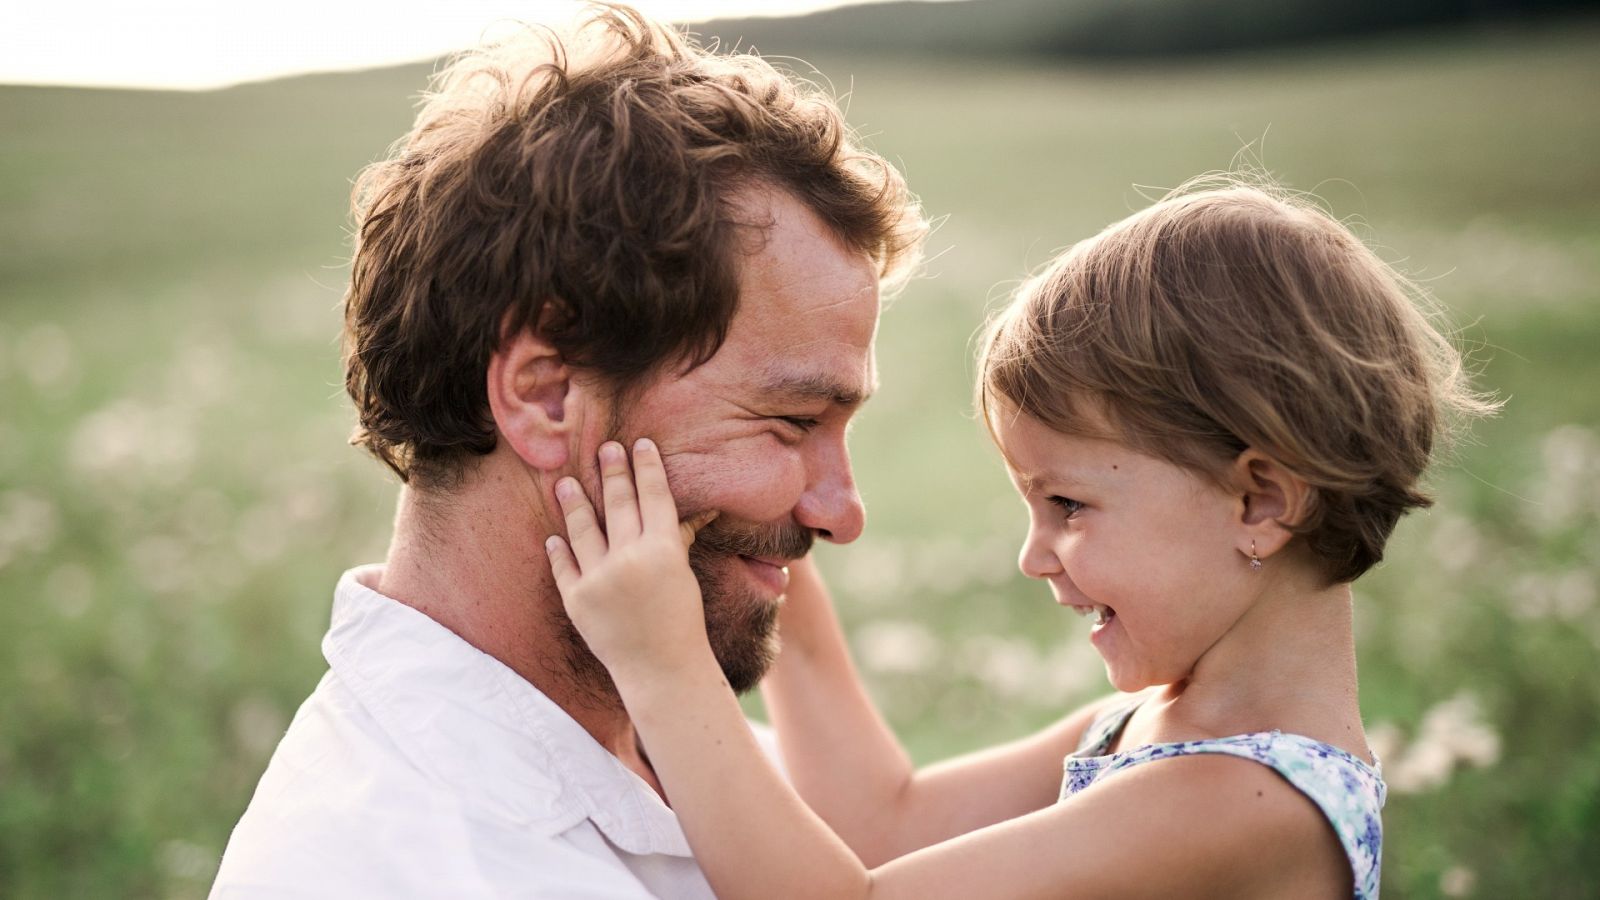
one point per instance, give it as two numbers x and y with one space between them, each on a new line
616 489
583 531
562 564
691 526
658 512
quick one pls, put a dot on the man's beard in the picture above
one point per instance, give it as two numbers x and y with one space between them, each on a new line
741 624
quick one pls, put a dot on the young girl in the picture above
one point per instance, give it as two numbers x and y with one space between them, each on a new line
1215 412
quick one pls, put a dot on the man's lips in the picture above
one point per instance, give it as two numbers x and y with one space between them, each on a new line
772 572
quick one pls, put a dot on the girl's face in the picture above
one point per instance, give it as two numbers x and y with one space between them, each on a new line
1142 547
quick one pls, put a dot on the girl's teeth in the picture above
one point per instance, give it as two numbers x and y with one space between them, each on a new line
1102 614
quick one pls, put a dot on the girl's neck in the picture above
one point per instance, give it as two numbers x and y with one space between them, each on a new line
1289 664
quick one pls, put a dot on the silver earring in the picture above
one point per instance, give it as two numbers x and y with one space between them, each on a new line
1255 561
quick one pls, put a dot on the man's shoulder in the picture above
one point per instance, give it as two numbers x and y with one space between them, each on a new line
344 809
413 845
338 759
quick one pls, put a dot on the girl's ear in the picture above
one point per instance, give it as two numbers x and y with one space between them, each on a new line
1274 500
531 398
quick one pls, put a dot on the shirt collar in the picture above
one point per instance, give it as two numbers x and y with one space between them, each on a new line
499 743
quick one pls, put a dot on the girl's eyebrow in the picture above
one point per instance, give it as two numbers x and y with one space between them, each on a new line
1034 482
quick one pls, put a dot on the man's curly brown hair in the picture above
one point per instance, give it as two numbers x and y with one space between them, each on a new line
585 185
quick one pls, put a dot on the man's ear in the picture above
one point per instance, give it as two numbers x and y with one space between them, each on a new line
1274 500
530 398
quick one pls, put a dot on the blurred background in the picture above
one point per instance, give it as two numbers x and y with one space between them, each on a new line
177 499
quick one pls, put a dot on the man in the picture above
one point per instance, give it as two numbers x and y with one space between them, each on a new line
609 235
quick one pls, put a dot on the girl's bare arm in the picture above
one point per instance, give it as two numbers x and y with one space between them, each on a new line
1191 826
845 761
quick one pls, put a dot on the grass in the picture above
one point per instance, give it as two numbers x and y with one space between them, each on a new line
176 500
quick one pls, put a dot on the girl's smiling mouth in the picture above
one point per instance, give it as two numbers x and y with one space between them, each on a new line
1102 613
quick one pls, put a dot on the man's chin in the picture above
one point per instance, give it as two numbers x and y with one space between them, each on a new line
741 607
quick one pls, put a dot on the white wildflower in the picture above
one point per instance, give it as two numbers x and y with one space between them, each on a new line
135 442
1384 740
1451 732
187 860
1007 666
1068 670
29 523
872 571
897 646
1568 489
1455 544
257 725
1568 596
1457 881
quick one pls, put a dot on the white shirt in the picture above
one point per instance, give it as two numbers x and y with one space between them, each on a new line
422 767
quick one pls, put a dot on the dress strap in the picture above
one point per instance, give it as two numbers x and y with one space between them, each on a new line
1107 727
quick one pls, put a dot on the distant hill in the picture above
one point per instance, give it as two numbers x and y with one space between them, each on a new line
1104 28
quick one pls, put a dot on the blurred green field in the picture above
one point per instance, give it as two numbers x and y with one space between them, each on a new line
176 499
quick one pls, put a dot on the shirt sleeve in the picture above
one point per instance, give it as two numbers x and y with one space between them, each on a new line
409 841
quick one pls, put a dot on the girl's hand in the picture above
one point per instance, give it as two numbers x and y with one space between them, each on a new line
628 588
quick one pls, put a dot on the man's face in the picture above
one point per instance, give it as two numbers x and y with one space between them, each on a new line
757 433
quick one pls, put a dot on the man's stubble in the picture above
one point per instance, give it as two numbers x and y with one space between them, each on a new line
741 624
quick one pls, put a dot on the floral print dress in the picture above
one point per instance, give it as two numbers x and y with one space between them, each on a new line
1347 790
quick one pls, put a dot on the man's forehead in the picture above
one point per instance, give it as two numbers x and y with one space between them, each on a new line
796 265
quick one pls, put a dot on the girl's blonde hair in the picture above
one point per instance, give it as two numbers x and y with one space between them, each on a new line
1234 315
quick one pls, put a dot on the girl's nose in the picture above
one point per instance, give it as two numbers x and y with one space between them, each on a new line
1037 560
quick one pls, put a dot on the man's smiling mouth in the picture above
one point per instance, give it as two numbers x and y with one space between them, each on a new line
771 572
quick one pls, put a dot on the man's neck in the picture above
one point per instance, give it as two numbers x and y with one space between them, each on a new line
473 563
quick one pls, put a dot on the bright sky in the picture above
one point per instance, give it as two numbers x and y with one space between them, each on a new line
177 44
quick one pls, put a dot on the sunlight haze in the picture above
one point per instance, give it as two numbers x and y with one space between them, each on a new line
197 46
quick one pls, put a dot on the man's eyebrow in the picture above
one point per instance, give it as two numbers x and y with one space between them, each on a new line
814 386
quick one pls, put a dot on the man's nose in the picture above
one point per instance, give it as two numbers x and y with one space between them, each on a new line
831 505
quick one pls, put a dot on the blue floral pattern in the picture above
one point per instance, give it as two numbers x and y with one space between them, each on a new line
1349 792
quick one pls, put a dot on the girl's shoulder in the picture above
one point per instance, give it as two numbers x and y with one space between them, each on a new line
1108 718
1347 793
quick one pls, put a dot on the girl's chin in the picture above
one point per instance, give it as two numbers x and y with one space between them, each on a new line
1125 684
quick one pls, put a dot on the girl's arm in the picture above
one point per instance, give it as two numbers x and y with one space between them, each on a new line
848 766
629 591
1194 826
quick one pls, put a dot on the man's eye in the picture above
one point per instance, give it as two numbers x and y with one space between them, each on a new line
801 422
1067 505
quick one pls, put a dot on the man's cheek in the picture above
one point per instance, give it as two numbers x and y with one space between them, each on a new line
749 477
691 488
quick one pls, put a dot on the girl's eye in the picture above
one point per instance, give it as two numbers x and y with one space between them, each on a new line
1066 505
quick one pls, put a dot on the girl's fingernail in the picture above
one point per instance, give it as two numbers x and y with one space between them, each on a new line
551 543
564 488
643 445
610 452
